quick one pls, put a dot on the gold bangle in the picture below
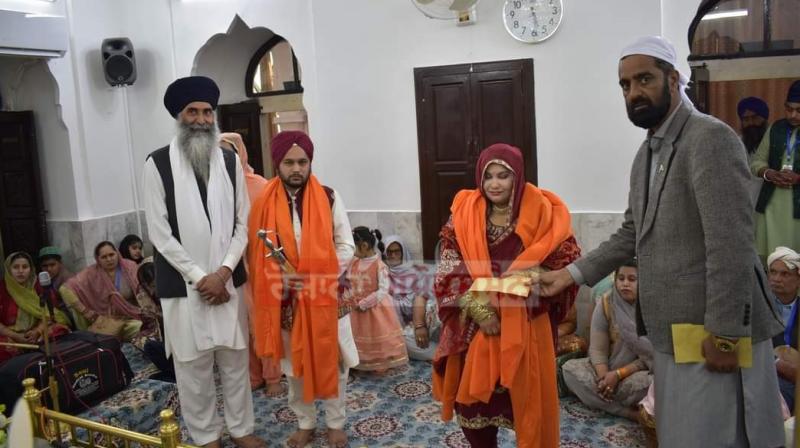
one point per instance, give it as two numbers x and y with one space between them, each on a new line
480 313
475 307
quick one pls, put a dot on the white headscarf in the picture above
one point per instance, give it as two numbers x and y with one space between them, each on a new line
661 48
789 257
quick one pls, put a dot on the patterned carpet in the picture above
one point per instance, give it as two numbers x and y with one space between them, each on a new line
395 410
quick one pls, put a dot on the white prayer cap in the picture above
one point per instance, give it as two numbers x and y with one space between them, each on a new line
789 257
657 47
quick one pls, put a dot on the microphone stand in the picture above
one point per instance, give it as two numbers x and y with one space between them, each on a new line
52 384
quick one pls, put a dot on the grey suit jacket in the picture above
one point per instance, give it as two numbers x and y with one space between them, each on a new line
693 236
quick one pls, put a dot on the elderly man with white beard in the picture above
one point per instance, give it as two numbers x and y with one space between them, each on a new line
196 207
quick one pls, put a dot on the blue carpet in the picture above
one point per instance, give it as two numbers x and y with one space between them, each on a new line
394 410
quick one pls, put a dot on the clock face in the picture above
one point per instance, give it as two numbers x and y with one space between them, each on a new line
532 21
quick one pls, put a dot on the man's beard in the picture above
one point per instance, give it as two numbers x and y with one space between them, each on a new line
752 135
653 114
293 181
196 141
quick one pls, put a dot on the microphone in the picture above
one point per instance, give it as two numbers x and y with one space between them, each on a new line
44 279
45 298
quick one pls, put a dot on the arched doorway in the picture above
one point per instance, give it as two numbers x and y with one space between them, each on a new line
260 83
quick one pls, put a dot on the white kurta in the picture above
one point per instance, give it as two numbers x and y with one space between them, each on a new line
335 408
345 247
193 327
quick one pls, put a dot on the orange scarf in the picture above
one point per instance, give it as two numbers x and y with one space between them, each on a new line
314 335
518 357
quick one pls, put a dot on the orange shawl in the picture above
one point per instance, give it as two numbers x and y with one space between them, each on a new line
314 335
515 357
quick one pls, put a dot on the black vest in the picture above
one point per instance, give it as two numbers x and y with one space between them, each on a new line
169 282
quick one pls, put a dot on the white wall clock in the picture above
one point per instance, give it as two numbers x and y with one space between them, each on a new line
532 21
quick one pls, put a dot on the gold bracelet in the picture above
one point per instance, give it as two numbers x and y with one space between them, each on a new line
475 307
480 313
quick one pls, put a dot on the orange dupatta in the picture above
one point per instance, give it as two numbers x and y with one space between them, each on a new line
516 358
314 335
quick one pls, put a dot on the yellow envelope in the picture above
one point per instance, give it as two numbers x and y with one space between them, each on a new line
687 341
515 285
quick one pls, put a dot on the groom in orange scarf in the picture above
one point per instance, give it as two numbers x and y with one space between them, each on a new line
296 317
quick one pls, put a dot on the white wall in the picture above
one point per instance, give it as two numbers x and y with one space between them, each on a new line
225 59
358 58
94 112
366 96
149 26
27 84
358 62
676 15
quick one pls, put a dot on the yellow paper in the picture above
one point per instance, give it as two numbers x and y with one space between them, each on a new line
515 285
687 341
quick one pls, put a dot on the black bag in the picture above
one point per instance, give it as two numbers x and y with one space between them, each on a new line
88 367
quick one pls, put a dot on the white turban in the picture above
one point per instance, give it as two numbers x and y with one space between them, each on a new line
661 48
789 257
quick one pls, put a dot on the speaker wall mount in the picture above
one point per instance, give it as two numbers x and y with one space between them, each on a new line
119 62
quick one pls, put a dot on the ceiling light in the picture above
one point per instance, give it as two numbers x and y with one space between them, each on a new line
725 14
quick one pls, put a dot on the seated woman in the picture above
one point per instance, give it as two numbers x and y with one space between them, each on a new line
132 248
617 373
105 295
22 319
413 301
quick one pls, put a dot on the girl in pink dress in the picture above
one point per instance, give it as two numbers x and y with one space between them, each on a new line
376 329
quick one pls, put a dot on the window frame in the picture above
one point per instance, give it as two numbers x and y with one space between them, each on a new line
706 6
256 60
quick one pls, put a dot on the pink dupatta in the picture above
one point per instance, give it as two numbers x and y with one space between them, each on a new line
96 290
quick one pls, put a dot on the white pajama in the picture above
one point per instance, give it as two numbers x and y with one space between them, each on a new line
197 392
307 412
335 407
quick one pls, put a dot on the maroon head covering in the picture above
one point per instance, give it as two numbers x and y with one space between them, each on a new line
509 157
283 142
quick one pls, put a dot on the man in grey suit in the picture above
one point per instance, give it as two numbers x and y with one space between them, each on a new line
690 223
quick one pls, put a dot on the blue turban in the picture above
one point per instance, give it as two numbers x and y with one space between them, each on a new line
187 90
755 105
794 93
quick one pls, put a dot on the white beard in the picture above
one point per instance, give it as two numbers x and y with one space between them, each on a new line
196 143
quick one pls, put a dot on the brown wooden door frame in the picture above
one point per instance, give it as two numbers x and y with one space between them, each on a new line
252 110
526 128
27 166
518 72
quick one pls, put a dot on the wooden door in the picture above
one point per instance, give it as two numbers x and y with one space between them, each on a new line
22 212
462 109
245 119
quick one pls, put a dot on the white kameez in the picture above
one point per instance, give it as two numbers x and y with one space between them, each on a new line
348 354
198 335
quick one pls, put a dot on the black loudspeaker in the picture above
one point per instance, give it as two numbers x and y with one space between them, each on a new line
119 64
